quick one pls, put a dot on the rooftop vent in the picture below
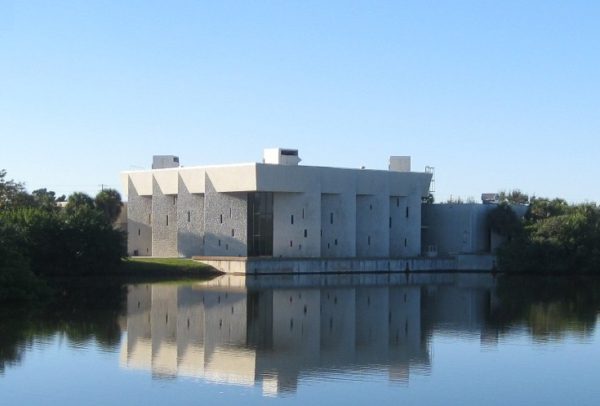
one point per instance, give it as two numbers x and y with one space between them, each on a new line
400 163
281 156
165 161
490 198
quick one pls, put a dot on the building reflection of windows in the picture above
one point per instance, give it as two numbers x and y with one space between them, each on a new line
272 336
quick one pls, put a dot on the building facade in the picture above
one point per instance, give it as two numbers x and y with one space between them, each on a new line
451 229
275 209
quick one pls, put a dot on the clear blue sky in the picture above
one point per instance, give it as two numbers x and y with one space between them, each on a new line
493 94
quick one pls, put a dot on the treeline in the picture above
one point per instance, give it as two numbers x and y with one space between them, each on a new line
40 239
553 237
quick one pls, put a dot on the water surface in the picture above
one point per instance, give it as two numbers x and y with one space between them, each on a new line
410 339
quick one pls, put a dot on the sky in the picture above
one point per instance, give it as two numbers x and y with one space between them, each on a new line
496 95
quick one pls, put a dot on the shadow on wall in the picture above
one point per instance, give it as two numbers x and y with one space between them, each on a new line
190 244
220 245
139 239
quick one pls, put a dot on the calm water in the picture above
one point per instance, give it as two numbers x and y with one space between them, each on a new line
417 339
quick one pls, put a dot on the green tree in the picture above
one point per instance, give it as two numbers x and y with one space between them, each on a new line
12 194
58 243
514 196
557 238
44 199
109 202
543 208
78 201
503 220
17 282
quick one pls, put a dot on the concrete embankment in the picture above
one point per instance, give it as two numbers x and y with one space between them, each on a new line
256 266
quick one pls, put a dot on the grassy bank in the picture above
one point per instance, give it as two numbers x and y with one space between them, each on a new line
165 267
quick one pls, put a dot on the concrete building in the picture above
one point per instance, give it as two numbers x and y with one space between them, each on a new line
452 229
276 208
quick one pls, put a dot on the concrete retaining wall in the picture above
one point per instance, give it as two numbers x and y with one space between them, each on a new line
255 266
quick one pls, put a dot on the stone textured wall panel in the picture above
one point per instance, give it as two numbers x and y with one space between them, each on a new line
164 223
190 222
139 230
225 222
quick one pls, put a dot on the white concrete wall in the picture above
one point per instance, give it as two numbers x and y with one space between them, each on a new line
302 238
225 222
139 216
362 202
372 225
338 222
232 178
457 228
167 180
399 226
164 222
413 226
190 222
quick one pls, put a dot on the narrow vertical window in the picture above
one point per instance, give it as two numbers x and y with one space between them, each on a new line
397 202
370 207
390 221
335 241
330 218
139 231
302 213
149 218
233 232
189 216
406 211
221 218
305 233
230 213
219 243
405 242
174 199
292 218
167 219
291 243
369 240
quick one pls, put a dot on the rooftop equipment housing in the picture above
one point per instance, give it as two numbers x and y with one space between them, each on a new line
281 156
165 161
490 198
399 163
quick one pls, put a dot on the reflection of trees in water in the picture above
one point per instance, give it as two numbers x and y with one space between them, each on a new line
14 337
81 309
549 306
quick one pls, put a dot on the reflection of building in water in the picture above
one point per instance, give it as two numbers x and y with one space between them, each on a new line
224 331
243 336
458 308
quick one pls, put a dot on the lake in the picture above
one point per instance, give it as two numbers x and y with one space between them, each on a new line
467 339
